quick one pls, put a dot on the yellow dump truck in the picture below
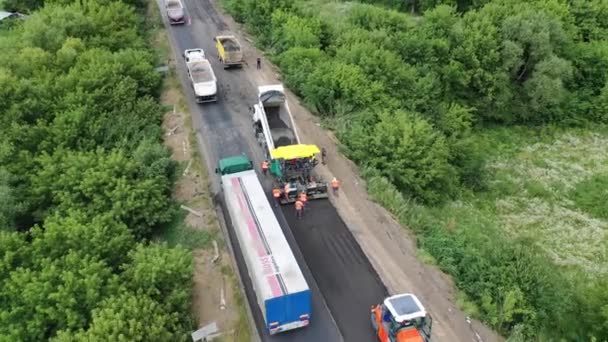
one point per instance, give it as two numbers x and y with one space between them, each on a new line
229 50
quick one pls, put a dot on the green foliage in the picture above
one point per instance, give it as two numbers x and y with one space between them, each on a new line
298 63
339 87
411 97
178 233
101 237
409 153
156 269
591 195
52 295
292 31
84 177
125 318
102 182
591 17
9 207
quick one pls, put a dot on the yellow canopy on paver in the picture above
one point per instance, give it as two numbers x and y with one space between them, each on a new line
294 151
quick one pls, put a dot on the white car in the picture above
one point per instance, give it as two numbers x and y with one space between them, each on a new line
175 12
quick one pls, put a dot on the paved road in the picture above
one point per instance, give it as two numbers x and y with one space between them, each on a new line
348 281
340 276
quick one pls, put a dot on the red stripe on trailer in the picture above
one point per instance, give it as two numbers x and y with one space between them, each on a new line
272 279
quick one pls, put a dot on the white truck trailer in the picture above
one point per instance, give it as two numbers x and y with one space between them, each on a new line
281 290
202 77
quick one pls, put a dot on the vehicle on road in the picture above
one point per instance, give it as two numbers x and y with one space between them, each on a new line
401 318
229 51
282 292
175 12
202 78
292 163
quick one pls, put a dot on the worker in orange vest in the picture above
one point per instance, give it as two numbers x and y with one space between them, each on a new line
335 185
265 166
303 198
286 190
299 209
276 194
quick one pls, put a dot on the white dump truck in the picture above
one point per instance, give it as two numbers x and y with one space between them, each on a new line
204 82
292 162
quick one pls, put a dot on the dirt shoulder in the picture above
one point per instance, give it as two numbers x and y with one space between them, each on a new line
389 247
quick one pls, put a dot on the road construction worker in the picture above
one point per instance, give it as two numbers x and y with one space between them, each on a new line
286 191
303 198
323 155
265 166
276 194
335 185
299 208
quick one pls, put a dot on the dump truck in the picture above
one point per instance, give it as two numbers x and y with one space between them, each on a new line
229 51
281 290
292 163
401 318
202 77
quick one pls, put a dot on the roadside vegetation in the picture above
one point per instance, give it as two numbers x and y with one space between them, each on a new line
85 181
482 126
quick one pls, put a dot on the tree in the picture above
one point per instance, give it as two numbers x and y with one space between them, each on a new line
128 318
293 31
406 150
532 42
591 17
102 182
10 207
339 87
54 294
297 63
98 237
164 274
111 25
14 253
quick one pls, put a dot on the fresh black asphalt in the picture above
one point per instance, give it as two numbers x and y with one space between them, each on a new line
347 279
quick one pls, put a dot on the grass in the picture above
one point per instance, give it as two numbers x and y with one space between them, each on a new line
242 332
591 195
552 188
177 232
465 304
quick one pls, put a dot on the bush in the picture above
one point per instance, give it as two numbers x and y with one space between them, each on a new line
591 195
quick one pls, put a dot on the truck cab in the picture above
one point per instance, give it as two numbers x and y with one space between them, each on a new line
191 55
401 318
233 164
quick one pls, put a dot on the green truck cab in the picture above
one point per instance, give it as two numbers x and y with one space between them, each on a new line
234 164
